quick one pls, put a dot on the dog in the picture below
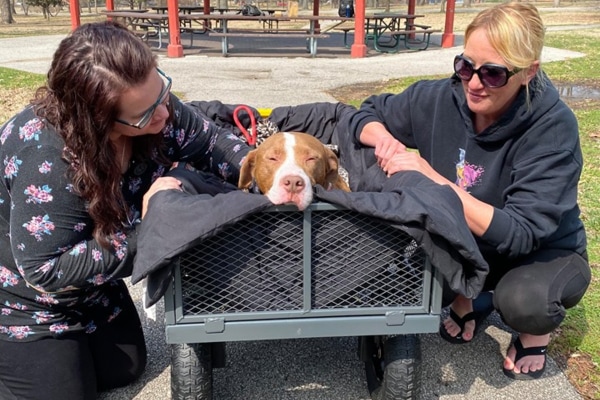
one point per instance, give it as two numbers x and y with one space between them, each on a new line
287 165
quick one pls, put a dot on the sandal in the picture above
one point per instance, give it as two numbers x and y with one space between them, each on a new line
523 352
472 316
482 307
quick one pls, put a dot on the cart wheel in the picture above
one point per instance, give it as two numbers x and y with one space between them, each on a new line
191 371
393 369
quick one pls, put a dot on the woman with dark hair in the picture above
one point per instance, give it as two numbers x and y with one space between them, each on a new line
497 133
80 164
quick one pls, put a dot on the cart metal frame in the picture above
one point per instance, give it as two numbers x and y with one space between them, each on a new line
253 243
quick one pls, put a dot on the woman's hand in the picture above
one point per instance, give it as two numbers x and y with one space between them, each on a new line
386 146
164 183
412 161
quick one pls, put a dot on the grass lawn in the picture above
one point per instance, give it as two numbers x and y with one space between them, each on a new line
576 345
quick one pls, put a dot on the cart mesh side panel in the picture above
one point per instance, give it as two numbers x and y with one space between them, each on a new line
259 264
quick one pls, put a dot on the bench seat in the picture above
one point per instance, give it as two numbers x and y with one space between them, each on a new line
396 37
147 30
311 37
408 37
345 28
267 34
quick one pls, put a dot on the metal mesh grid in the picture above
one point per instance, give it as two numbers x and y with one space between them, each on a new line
258 264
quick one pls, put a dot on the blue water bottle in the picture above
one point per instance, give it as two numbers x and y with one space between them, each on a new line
348 11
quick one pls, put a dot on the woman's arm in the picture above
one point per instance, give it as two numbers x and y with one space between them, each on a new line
385 123
374 134
207 146
51 230
477 213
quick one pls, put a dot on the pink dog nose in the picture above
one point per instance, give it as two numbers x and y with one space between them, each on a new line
292 183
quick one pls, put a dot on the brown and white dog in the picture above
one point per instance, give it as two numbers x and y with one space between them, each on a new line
287 165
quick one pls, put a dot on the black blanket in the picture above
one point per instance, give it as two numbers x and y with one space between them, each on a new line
431 213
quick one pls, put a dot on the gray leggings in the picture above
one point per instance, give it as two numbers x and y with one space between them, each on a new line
532 293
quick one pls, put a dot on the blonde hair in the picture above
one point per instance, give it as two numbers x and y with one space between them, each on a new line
515 31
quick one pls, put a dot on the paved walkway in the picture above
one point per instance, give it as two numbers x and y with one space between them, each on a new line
266 81
315 369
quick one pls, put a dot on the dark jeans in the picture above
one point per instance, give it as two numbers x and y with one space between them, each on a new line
532 293
77 366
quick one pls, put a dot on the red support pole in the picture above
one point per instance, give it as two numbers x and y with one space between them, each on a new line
359 48
411 11
174 49
315 13
75 17
411 7
110 5
448 35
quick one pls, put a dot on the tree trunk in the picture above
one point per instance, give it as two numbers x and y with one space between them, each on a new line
6 12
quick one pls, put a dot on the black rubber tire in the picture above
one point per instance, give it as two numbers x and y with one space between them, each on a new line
191 371
393 371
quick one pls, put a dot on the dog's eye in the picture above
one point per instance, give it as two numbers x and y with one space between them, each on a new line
272 158
311 159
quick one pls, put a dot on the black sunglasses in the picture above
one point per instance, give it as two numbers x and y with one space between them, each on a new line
163 98
490 75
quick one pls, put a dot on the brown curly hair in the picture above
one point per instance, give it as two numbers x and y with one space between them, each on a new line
90 70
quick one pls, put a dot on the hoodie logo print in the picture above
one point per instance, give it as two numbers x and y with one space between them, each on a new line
467 175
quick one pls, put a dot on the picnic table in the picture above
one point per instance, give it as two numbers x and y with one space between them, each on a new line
271 29
183 9
217 25
272 11
389 30
144 24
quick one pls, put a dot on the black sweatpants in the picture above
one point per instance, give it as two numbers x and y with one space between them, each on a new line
76 366
532 293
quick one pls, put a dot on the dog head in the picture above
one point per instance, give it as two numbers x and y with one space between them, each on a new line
287 165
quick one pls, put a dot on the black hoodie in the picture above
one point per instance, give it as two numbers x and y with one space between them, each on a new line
527 164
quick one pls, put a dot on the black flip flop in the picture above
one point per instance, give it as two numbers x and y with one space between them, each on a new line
472 316
523 352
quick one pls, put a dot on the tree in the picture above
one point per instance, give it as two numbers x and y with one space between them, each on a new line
49 7
6 16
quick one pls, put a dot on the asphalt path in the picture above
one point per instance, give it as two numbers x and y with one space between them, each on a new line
325 368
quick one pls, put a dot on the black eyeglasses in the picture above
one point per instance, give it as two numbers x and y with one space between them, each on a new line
163 98
490 75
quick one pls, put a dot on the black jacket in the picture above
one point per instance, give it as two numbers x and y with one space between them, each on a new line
527 164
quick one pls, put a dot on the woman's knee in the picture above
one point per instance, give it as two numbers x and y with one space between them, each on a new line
532 297
524 305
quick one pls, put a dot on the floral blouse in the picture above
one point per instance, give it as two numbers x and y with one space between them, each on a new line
54 276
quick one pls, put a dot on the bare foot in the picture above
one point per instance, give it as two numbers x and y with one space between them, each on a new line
461 306
528 363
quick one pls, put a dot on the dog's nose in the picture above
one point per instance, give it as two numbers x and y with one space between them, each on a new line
293 183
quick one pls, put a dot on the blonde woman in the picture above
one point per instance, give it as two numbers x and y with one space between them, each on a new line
499 135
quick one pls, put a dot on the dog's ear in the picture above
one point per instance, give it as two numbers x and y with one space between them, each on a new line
246 171
333 178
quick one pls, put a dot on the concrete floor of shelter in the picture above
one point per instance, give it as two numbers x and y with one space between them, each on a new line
277 46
